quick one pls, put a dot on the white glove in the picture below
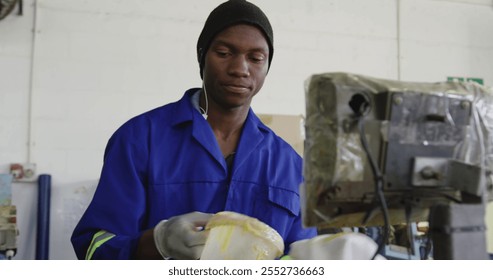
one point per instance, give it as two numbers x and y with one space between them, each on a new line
182 237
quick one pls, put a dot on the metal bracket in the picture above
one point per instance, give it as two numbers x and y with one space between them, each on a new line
448 173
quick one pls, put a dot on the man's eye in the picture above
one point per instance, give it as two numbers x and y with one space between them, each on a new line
257 58
222 53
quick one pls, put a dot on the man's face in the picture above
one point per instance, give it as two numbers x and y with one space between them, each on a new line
235 67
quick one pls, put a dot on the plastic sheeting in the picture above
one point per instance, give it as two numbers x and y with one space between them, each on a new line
406 120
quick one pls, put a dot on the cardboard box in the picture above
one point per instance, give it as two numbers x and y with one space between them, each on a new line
288 127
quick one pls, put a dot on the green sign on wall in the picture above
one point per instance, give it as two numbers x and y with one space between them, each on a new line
465 79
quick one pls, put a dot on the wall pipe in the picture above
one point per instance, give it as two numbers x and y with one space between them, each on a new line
43 223
30 113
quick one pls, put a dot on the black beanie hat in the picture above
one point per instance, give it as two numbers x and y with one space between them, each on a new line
228 14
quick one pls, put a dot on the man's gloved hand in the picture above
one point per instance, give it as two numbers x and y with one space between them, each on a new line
182 237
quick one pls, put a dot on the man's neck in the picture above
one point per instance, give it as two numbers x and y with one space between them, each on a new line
227 127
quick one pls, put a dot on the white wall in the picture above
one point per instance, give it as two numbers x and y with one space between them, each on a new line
92 64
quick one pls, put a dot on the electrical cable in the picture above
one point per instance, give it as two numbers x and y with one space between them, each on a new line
378 187
202 111
360 104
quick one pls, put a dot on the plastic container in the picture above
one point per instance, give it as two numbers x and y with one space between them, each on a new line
341 246
235 236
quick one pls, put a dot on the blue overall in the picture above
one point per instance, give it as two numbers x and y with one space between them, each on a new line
167 162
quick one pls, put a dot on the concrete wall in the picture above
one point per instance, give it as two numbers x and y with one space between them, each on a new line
72 71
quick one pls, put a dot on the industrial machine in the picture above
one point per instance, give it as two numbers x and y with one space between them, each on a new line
381 153
6 7
8 219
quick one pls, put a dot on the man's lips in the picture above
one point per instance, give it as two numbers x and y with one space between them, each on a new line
237 88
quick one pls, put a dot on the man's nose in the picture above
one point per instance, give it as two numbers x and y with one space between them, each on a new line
239 66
